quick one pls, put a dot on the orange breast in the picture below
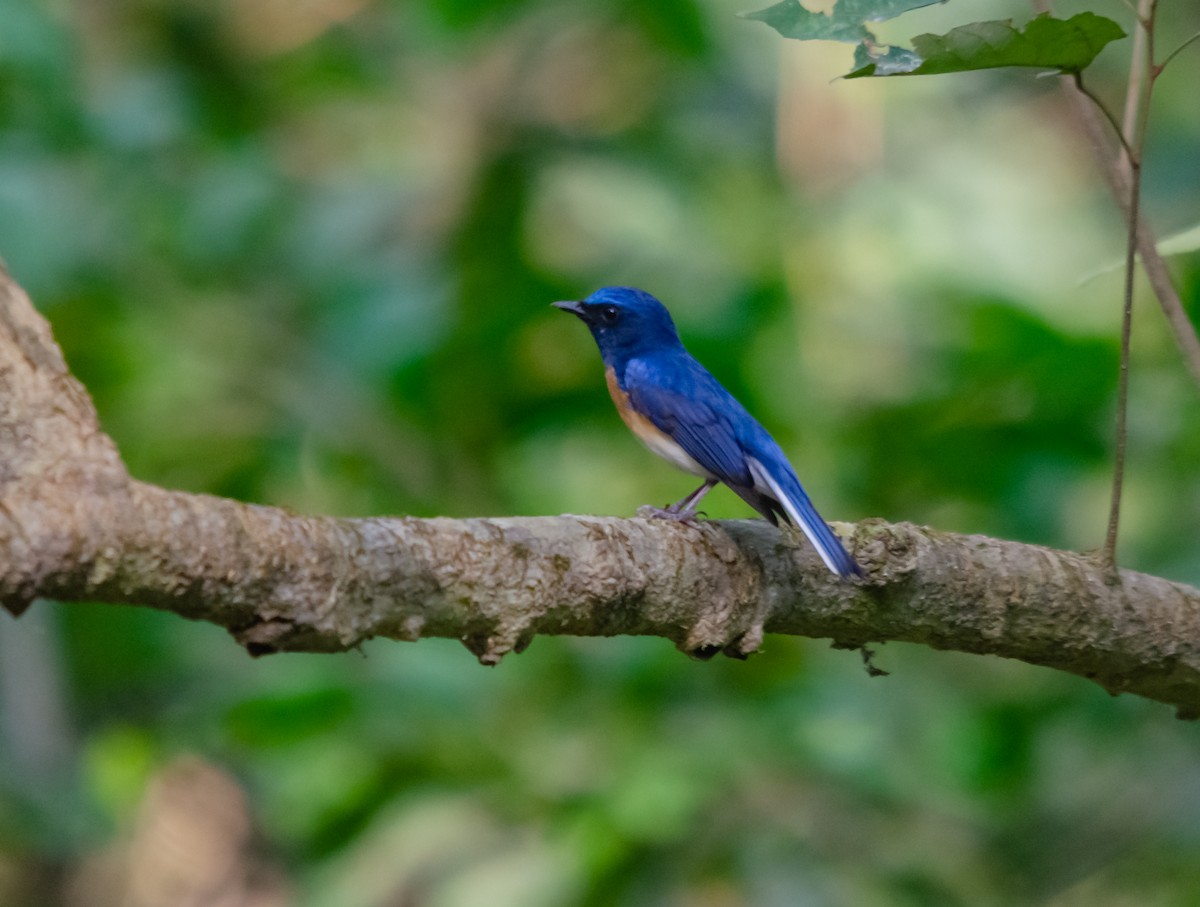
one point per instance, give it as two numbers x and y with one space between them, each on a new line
649 434
638 424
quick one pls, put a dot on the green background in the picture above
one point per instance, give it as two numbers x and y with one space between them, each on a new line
303 254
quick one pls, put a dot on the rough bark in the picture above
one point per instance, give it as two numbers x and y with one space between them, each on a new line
74 526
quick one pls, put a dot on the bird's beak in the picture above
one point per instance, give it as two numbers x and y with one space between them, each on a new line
575 308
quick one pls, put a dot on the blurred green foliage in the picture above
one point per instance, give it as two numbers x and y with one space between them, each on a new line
302 253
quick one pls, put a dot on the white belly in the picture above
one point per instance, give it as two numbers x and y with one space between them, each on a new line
648 433
672 453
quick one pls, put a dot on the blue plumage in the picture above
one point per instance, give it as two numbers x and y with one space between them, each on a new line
683 414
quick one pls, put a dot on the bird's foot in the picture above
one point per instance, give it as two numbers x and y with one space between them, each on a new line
675 515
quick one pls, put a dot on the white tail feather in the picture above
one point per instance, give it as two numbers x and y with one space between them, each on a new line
765 483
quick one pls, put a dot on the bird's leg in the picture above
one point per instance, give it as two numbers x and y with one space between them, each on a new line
688 504
683 511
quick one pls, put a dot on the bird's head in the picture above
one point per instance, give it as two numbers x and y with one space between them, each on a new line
625 321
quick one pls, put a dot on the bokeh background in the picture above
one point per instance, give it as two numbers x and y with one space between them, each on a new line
302 253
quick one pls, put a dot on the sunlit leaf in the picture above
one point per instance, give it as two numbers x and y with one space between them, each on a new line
1176 244
1067 45
1179 243
844 20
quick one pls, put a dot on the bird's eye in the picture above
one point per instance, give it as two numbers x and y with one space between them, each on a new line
608 314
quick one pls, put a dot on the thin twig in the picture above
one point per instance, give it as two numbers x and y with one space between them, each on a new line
1157 71
1077 76
1155 267
1137 84
1137 110
1114 511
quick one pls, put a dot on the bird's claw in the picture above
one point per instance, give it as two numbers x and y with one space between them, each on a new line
687 517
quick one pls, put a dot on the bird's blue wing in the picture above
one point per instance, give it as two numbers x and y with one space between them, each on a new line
690 406
687 404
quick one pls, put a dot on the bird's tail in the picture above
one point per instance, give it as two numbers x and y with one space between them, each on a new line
782 485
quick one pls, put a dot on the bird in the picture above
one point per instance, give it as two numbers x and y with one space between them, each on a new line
675 406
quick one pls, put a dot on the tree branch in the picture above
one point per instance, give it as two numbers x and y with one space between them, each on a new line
75 526
1091 115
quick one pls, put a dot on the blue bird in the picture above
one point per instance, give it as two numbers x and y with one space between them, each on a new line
683 414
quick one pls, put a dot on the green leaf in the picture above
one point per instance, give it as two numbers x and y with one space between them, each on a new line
886 61
1066 45
845 21
1179 243
288 719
